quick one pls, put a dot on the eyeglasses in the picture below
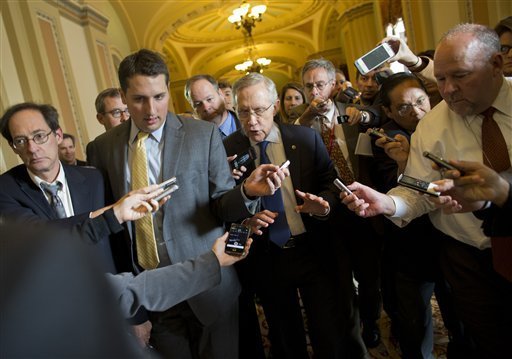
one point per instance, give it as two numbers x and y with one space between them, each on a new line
39 139
320 85
117 112
245 114
406 108
505 49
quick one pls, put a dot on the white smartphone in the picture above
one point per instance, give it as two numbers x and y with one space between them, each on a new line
341 186
284 165
168 183
374 58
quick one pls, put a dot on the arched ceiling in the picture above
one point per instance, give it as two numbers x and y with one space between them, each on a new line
196 37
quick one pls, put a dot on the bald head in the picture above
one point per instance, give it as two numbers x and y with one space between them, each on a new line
468 68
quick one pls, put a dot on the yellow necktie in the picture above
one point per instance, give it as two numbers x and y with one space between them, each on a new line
147 253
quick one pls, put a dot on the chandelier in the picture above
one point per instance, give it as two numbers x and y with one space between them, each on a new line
245 17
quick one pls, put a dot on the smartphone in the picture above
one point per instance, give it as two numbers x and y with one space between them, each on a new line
167 192
342 119
284 165
237 237
351 93
341 186
418 185
376 133
244 159
439 161
168 183
374 58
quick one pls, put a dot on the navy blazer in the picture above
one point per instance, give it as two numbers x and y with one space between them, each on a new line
22 200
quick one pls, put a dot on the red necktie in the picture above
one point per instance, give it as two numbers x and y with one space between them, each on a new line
336 154
496 156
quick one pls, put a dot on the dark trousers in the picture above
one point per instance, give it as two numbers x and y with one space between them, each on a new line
177 333
482 298
275 274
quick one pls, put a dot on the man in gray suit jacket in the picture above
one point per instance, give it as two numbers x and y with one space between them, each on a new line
192 151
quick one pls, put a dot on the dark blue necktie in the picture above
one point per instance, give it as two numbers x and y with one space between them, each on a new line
279 231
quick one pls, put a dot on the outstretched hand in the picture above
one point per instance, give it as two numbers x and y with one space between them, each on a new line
137 203
367 202
314 205
226 259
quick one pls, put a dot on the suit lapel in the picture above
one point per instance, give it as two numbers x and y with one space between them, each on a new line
78 190
28 187
174 135
351 134
119 153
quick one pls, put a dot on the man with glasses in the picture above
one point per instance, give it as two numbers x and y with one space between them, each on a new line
292 249
358 240
504 31
42 187
67 151
110 109
207 100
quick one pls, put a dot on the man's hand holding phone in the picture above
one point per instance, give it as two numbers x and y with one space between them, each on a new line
265 180
225 259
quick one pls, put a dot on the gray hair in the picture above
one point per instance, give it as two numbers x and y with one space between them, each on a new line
488 42
320 63
252 79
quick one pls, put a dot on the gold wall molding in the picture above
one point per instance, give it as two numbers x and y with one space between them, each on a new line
81 13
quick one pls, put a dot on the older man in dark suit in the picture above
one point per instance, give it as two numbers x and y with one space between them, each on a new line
34 134
292 252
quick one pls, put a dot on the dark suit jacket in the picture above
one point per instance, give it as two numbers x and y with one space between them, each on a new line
22 200
193 218
311 169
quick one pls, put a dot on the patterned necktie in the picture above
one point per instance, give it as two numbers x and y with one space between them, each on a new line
279 231
147 253
496 156
55 201
336 154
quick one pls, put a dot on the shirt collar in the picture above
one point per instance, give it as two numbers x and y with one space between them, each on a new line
61 177
274 136
134 131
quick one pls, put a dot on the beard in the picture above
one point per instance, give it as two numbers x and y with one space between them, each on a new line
215 116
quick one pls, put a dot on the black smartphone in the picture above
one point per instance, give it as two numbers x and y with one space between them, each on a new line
237 237
439 161
170 189
418 185
342 119
244 159
351 93
376 133
341 186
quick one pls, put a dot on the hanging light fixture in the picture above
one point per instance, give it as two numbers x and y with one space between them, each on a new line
245 17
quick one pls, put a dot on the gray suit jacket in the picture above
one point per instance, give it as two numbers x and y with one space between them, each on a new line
193 218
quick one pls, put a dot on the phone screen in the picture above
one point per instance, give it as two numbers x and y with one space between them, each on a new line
376 57
238 234
418 185
244 158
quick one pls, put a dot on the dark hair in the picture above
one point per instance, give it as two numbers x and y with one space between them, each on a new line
504 25
67 135
196 78
143 62
224 84
99 103
49 113
290 85
394 81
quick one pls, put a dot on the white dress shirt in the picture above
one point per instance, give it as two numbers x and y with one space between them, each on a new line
451 136
64 194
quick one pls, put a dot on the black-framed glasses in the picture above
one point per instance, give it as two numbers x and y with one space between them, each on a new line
406 108
117 112
320 85
258 112
505 49
39 139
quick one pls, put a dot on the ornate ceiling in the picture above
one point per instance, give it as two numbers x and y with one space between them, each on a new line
196 37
